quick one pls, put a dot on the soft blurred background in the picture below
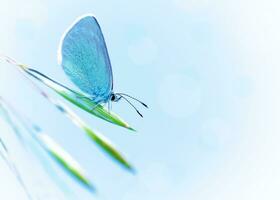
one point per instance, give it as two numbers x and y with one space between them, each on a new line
207 69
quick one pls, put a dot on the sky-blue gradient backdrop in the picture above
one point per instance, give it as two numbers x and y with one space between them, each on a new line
201 66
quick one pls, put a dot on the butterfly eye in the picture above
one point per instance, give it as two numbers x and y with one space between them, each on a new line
113 97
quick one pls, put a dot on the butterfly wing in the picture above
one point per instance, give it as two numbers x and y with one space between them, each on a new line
84 58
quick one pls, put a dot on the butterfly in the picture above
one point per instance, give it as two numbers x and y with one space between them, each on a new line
84 58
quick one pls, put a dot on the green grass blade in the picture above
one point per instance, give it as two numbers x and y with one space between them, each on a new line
64 159
79 99
55 151
99 139
104 144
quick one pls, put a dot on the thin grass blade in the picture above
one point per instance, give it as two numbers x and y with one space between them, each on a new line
55 151
99 139
79 100
5 155
64 159
4 111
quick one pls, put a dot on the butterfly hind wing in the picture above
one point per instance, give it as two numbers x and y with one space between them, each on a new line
84 58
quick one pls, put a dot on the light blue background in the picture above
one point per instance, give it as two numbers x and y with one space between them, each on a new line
208 71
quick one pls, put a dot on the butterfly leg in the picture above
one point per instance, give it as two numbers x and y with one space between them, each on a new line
95 106
109 106
97 102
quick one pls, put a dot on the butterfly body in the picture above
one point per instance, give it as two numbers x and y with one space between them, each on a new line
84 58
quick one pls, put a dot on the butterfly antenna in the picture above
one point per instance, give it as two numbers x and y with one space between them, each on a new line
122 94
132 106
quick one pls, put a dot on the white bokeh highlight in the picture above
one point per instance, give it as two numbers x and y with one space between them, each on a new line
179 95
191 6
12 12
33 11
143 51
216 134
154 182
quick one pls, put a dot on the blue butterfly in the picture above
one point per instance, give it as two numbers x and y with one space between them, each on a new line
84 58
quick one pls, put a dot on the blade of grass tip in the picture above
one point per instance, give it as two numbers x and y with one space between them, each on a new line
8 160
72 96
64 159
80 100
43 160
55 151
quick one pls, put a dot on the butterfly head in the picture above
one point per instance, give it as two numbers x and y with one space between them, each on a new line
115 97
